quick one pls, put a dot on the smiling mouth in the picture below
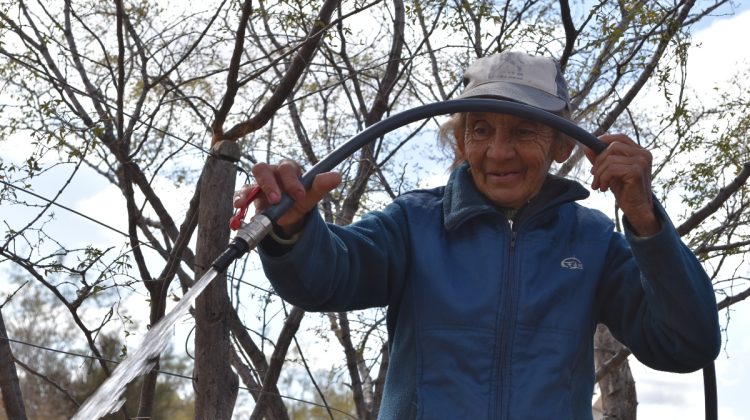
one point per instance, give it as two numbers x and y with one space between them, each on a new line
502 175
503 179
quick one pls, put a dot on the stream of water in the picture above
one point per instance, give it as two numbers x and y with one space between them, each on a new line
108 398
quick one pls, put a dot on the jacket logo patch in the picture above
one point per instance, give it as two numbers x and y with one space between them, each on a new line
572 263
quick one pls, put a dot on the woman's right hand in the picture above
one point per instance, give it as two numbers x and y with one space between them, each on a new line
284 177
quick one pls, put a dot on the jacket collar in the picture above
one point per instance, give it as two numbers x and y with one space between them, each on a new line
463 201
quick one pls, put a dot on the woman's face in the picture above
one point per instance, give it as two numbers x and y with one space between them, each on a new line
509 156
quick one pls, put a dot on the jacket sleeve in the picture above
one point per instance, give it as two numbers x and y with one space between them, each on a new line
659 302
334 268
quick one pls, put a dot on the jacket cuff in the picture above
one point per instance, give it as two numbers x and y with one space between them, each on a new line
661 216
280 238
277 243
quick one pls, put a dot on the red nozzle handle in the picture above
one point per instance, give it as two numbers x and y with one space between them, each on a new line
236 221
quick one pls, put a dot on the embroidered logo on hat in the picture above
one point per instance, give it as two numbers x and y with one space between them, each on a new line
520 77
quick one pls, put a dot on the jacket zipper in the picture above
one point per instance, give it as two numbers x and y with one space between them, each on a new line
505 343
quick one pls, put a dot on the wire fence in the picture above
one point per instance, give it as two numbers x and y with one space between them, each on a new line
172 374
146 244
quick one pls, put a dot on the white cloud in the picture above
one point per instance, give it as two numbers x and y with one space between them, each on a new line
717 56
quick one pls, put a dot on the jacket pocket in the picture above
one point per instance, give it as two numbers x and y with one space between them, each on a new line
541 367
455 373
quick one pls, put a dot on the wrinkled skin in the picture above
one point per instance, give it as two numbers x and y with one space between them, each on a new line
624 168
509 157
285 178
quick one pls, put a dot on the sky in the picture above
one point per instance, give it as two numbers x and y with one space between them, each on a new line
715 59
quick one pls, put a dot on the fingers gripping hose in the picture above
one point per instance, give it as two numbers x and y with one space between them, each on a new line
250 234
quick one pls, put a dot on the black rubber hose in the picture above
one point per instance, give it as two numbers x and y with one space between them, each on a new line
466 105
710 394
431 110
236 249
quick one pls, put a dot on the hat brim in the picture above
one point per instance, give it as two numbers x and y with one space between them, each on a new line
514 92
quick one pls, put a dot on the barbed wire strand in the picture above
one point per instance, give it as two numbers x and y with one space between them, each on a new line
76 212
176 375
238 279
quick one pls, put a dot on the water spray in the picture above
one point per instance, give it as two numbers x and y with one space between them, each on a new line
108 397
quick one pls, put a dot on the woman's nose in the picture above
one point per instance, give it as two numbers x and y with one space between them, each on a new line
502 146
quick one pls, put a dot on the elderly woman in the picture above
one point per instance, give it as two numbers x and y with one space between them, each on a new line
495 282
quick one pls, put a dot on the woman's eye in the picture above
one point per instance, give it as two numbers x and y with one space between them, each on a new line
526 131
480 131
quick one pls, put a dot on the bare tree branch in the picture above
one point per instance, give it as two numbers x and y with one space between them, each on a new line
291 325
710 208
286 84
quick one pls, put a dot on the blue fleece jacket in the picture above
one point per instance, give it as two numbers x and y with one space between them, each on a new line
491 319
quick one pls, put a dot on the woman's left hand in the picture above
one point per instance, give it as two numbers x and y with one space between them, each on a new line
624 167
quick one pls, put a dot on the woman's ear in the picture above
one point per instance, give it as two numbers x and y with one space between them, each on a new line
458 134
564 148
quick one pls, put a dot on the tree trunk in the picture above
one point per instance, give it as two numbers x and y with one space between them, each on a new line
216 385
11 390
617 399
